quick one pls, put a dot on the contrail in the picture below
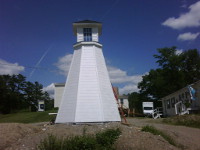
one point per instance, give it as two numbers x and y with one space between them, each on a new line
110 9
40 60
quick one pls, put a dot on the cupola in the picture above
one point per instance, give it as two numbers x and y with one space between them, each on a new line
87 30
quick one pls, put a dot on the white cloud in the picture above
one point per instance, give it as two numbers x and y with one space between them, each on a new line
63 64
189 19
117 76
50 90
188 36
179 51
10 68
128 89
184 4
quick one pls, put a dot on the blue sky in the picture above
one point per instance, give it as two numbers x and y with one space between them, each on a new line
38 33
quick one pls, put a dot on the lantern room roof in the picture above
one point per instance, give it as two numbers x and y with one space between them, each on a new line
87 21
87 24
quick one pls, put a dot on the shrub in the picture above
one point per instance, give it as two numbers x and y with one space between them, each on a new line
51 143
101 141
86 142
108 137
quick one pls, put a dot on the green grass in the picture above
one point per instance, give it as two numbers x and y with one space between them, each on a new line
185 120
155 131
27 117
101 141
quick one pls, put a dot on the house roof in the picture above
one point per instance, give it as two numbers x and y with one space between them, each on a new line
186 87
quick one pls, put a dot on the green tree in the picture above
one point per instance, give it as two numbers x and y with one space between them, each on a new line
135 102
175 71
49 103
16 93
33 93
4 94
171 67
167 58
151 83
11 95
191 65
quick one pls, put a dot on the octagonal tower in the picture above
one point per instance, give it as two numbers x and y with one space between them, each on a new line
88 96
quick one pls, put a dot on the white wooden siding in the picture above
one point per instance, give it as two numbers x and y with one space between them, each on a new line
67 107
80 34
88 95
95 36
109 103
88 106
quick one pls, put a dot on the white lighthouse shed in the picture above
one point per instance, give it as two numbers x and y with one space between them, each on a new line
88 95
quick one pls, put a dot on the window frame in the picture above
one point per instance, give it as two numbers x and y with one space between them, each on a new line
168 104
87 34
173 102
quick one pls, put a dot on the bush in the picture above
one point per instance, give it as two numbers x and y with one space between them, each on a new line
101 141
87 142
108 137
51 143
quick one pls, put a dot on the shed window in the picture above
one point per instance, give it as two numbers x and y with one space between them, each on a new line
87 32
168 104
180 98
186 95
121 101
148 108
183 95
41 106
173 101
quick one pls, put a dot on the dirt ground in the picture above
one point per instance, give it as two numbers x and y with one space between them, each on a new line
15 136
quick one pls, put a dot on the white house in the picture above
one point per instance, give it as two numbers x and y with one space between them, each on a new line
185 100
88 94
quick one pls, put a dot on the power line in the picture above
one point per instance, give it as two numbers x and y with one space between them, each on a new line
40 60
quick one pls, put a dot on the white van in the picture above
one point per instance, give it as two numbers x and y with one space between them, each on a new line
147 108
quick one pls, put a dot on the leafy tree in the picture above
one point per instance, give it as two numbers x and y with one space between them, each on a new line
4 94
191 65
151 83
28 93
11 95
168 58
16 93
170 65
33 93
134 102
175 71
49 103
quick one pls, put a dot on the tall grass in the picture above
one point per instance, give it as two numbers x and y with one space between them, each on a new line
101 141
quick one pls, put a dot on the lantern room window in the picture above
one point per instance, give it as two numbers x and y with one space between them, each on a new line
87 32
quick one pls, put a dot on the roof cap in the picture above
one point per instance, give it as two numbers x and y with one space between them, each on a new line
87 21
87 24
